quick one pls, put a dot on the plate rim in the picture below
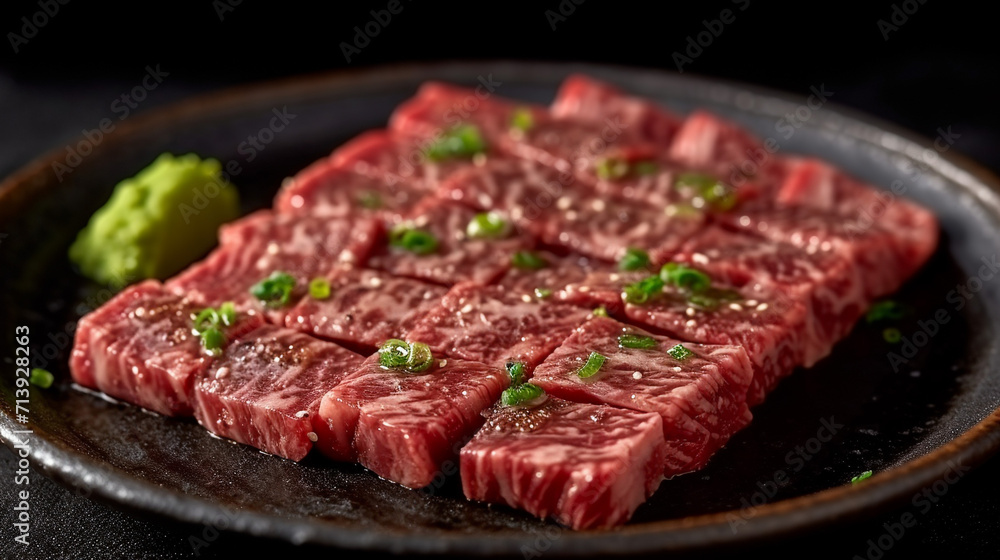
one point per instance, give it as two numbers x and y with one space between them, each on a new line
810 511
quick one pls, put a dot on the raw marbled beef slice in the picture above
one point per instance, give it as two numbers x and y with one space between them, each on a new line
403 426
365 307
588 466
265 388
701 398
139 347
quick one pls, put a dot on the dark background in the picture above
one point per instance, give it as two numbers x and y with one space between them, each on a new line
938 68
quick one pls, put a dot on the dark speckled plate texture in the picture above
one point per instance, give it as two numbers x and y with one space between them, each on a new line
914 425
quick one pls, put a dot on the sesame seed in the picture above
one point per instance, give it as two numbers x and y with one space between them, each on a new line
222 373
272 248
466 309
691 323
752 303
442 363
637 375
744 221
564 203
690 312
699 258
735 307
376 282
301 414
598 205
526 298
312 436
762 307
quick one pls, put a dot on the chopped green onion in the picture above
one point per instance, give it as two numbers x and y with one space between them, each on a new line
680 353
542 293
227 312
41 378
275 290
487 225
521 119
637 341
370 200
600 312
685 277
861 477
715 193
206 319
319 288
712 297
593 365
885 310
420 357
528 260
212 339
523 394
416 241
647 167
611 168
634 259
639 292
516 372
393 353
892 335
410 356
462 142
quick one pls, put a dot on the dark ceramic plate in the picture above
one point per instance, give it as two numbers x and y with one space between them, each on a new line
790 470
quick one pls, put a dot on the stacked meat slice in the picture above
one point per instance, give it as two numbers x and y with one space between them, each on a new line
655 276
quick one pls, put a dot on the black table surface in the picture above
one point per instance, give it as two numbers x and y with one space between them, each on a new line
922 75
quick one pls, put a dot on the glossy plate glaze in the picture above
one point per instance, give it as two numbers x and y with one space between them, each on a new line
912 424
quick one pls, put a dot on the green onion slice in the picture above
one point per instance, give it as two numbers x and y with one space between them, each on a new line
212 339
393 353
680 353
861 477
892 335
370 200
885 310
634 259
522 395
275 290
516 372
227 313
42 378
593 365
600 312
319 288
414 240
630 340
542 293
464 141
487 225
206 319
413 357
685 277
640 292
715 193
521 119
611 168
528 260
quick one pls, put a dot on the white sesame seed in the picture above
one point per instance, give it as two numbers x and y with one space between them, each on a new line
637 375
677 368
598 205
272 248
312 436
744 221
564 203
302 414
467 308
222 373
690 312
751 303
376 282
691 323
699 258
762 307
442 363
735 307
